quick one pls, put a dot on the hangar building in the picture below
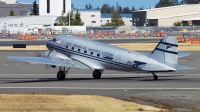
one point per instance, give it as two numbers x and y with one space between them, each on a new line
165 16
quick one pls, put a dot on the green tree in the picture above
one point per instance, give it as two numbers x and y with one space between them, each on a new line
116 19
190 1
175 2
12 13
141 8
133 8
98 8
90 6
165 3
77 19
62 20
178 23
86 6
35 8
126 10
106 8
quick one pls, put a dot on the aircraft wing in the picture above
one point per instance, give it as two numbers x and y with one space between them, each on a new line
49 61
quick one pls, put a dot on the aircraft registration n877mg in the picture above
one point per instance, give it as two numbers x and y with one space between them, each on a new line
68 52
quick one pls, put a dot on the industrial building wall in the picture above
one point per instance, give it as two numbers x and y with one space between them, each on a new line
55 7
91 18
172 11
127 21
9 1
168 15
18 24
169 21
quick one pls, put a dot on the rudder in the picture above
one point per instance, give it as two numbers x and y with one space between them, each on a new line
166 51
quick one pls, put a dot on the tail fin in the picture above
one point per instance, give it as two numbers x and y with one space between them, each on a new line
166 51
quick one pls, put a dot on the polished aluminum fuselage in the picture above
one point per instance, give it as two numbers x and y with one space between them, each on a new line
97 55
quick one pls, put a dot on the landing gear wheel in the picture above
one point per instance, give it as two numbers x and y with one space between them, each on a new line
155 77
61 75
97 74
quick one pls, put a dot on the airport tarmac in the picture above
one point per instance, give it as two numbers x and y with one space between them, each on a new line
180 88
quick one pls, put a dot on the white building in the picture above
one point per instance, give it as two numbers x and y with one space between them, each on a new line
54 7
127 18
165 16
9 1
90 17
17 24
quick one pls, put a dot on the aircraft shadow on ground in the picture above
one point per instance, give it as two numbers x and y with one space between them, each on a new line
144 78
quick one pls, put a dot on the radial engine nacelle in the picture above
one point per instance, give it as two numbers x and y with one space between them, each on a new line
55 55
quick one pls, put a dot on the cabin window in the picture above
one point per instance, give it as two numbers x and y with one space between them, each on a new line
98 55
79 50
85 51
66 46
91 53
72 48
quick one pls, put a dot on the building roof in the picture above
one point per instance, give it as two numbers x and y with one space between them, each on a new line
161 8
87 10
107 15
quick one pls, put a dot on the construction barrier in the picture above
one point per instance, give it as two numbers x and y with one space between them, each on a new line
110 35
115 35
130 35
122 35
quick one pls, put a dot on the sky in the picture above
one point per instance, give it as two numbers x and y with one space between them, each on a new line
81 3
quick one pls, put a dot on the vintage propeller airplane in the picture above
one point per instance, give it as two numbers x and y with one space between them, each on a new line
68 52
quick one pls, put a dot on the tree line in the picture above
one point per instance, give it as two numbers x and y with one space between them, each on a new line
106 8
166 3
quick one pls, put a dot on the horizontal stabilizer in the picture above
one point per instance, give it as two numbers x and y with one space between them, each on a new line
178 67
183 54
157 68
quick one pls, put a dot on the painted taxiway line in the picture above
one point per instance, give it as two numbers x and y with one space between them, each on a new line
88 88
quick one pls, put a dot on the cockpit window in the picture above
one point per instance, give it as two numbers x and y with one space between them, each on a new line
54 39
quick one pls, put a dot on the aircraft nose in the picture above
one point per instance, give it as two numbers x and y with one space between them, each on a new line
47 42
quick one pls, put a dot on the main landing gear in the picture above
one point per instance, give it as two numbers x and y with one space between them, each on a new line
97 74
62 73
155 77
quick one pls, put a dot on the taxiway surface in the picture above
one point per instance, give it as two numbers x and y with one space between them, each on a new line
180 88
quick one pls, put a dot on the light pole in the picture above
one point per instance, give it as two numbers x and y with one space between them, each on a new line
69 17
93 3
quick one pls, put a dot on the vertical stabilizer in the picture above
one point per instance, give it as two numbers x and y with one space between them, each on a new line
166 51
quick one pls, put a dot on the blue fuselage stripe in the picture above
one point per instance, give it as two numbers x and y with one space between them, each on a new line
88 56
